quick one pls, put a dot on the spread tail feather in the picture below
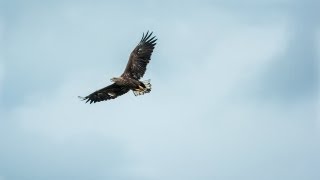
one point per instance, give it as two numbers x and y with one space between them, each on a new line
145 89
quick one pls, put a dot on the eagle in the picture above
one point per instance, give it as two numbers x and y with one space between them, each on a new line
130 78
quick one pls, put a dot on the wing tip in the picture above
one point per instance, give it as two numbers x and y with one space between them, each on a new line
85 99
81 98
146 36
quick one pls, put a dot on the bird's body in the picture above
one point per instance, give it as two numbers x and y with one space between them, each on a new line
135 85
130 79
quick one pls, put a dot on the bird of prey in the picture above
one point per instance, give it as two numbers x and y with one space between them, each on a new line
130 78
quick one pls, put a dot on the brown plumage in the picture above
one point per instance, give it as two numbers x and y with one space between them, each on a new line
130 79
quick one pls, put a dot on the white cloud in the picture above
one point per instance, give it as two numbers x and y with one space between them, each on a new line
318 95
1 74
167 138
1 54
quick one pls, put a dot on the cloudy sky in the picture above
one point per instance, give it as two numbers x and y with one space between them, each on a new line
235 90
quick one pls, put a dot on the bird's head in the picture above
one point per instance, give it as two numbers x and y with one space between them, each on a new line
114 79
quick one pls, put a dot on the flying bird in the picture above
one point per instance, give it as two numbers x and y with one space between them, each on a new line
130 78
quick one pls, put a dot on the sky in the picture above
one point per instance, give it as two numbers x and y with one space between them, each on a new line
235 90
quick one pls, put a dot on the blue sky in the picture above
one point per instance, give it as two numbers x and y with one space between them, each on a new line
235 90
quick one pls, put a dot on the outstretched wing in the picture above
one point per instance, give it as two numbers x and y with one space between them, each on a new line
140 57
109 92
